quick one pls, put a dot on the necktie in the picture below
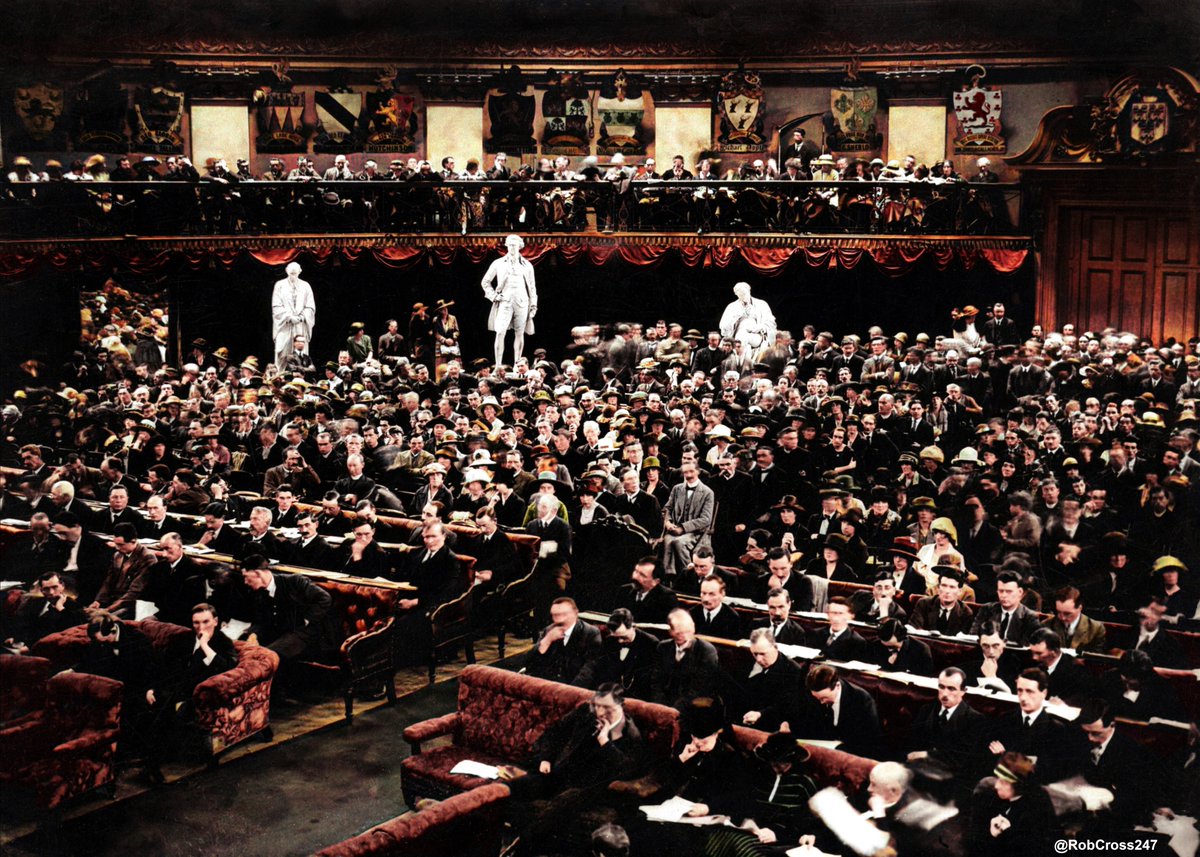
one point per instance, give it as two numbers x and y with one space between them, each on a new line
775 629
1004 626
1097 752
944 717
708 616
943 622
832 638
1027 721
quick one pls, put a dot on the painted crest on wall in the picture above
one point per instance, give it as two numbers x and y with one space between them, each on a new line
338 111
977 109
741 112
280 118
853 109
621 108
566 109
37 107
158 120
98 111
511 107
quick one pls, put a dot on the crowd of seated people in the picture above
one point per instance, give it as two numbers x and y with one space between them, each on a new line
1020 487
853 195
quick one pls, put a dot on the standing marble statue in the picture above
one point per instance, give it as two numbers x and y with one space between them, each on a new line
293 313
509 285
749 320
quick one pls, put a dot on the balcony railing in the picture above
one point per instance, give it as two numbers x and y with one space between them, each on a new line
164 208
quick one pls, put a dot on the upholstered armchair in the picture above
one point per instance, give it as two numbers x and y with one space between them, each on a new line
67 746
230 707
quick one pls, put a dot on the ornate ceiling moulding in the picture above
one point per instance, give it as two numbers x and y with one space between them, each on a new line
219 83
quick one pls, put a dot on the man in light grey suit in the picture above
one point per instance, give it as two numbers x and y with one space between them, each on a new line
689 514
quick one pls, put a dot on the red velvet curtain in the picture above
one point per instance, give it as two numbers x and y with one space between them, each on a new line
895 259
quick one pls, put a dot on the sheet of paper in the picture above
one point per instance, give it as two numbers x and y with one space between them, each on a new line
807 851
144 610
820 742
10 584
807 653
199 550
858 666
669 810
547 548
467 768
928 681
234 628
15 522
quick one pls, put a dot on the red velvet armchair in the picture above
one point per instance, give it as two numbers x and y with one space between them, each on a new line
230 707
366 658
465 825
500 717
66 745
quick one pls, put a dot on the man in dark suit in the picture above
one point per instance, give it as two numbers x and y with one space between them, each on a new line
626 658
49 611
1033 731
496 561
261 540
176 583
120 651
637 504
648 599
310 550
435 571
565 646
712 617
155 524
944 612
783 576
1015 621
1155 640
1116 762
838 642
840 711
289 614
689 581
895 651
999 329
684 667
118 512
996 667
216 535
771 692
1069 681
188 661
948 731
28 558
783 629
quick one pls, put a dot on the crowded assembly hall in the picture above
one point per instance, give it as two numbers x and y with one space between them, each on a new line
580 428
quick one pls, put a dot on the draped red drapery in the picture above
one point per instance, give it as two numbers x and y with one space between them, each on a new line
895 259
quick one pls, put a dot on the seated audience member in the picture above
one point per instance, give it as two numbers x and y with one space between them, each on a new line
1114 761
1154 639
880 603
684 667
128 574
703 564
948 731
1074 629
572 764
782 575
288 614
1033 731
310 549
782 628
564 646
771 692
1136 691
996 667
1069 680
1014 814
626 658
216 535
838 642
895 651
41 614
496 562
944 612
838 710
647 597
177 583
1014 621
712 617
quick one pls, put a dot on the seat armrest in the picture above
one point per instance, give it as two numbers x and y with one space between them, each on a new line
380 629
427 730
87 742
